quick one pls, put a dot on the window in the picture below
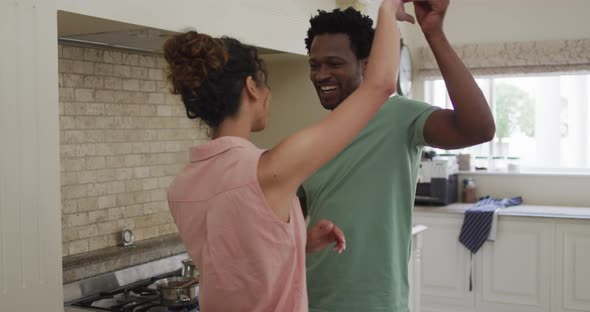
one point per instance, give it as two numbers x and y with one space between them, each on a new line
543 120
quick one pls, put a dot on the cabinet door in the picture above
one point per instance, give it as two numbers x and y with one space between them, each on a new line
572 267
30 228
515 271
445 265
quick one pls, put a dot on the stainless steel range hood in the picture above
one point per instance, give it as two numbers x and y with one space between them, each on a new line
89 30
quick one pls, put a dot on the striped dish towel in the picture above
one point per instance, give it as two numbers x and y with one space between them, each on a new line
478 223
478 220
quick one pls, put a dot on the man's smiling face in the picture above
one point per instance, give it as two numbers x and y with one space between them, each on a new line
335 70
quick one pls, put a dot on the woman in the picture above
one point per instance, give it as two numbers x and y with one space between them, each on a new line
234 204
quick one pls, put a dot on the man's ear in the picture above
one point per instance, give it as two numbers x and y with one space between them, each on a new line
251 88
364 64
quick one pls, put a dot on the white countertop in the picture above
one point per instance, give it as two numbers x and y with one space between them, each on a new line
417 229
521 210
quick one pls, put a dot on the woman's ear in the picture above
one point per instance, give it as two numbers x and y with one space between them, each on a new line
251 88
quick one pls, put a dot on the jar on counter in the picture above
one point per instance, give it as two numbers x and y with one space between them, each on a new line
513 164
464 161
469 191
498 164
481 163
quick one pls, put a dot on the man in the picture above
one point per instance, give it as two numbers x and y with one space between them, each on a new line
368 190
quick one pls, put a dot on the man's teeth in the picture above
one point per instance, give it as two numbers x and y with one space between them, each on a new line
328 88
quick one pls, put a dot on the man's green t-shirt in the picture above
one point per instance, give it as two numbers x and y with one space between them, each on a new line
368 191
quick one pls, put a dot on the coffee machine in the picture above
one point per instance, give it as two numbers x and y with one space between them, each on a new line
437 179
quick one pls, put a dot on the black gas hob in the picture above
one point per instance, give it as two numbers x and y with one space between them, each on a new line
110 292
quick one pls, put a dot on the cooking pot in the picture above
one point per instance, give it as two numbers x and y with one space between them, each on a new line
178 291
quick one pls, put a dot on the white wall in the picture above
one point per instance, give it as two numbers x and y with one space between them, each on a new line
294 102
535 189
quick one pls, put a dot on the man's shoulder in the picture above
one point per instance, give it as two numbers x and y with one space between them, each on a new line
402 102
399 107
402 108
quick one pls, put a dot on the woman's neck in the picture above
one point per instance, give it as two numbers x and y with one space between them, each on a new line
238 127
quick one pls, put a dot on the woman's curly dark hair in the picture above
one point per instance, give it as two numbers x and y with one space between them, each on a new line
351 22
209 74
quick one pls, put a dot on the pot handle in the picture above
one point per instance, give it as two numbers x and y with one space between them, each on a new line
184 299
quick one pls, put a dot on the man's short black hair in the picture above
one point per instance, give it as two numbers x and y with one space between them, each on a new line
357 26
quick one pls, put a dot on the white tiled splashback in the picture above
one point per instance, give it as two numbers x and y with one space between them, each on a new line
123 137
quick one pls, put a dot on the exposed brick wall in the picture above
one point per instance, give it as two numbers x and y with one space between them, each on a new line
123 138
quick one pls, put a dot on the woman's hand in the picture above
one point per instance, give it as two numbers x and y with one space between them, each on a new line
398 7
323 234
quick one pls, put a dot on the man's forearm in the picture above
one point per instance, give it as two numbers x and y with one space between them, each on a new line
471 108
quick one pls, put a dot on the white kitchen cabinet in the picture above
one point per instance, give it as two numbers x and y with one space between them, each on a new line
536 264
445 265
572 267
30 227
514 272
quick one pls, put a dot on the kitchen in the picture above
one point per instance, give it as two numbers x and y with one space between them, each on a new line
31 225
